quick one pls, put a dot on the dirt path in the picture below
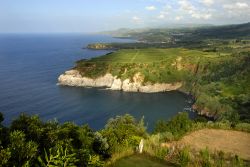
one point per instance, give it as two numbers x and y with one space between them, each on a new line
215 139
133 58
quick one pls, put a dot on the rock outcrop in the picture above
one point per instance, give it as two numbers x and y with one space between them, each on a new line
74 78
100 46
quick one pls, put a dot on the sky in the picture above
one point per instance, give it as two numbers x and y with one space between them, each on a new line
49 16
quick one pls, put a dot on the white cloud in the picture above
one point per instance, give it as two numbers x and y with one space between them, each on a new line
161 16
237 11
178 18
195 11
186 5
207 2
136 19
202 16
188 9
150 8
241 5
236 6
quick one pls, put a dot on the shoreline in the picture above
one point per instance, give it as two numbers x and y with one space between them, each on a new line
110 82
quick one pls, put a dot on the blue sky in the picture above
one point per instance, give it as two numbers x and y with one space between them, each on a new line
98 15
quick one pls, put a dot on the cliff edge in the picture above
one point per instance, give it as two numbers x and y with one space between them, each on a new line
74 78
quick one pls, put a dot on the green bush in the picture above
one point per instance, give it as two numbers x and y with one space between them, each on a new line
166 136
5 155
22 152
243 127
178 125
238 162
184 157
119 130
161 152
205 158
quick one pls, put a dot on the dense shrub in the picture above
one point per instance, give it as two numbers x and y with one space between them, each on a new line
120 130
184 157
178 125
72 145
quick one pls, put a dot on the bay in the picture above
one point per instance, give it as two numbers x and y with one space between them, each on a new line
30 65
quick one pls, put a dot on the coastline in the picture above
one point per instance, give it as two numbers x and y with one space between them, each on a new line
108 81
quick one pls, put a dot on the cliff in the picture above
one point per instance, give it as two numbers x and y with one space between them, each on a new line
74 78
100 46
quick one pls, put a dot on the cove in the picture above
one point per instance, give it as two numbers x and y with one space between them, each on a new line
30 65
95 106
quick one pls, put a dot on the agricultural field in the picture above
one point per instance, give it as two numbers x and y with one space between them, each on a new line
229 141
156 65
150 55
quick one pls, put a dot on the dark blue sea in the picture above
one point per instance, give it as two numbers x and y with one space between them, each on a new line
30 65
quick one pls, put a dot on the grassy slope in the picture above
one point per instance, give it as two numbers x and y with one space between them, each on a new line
219 80
216 139
157 65
141 161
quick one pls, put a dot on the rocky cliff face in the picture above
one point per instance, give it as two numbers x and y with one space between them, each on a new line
100 46
74 78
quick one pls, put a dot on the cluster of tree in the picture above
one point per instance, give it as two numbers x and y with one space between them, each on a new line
178 125
30 142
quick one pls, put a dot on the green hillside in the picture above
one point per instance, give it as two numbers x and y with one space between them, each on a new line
218 79
190 33
191 37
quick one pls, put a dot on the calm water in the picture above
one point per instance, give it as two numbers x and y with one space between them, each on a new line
31 64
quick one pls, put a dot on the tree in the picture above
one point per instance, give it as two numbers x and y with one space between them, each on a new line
31 126
100 145
1 118
5 155
4 133
118 130
161 126
59 157
22 152
178 125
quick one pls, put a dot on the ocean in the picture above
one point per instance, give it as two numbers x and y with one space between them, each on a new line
30 65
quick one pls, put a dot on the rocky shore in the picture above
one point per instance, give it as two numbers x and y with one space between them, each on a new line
74 78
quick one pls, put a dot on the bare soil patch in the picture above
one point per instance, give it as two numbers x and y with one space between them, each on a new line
215 139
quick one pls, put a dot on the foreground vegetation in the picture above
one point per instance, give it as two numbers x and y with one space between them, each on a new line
31 142
139 160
